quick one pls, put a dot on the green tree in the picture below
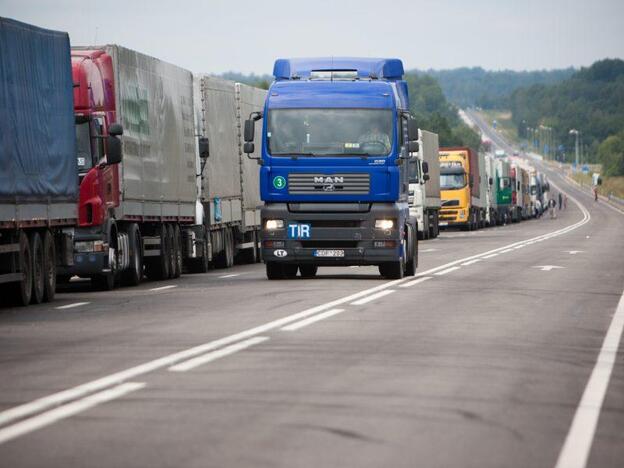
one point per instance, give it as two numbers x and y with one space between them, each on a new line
611 155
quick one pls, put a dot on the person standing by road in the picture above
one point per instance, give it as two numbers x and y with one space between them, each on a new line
560 201
552 206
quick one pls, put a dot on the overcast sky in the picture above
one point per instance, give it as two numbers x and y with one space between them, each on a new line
221 35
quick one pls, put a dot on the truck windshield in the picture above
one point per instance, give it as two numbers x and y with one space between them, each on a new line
83 146
321 132
452 181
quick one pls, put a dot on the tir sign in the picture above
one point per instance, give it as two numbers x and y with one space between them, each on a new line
299 231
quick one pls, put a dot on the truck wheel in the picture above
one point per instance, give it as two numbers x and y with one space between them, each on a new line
157 268
251 255
392 270
49 267
38 270
290 271
231 248
308 271
221 259
274 271
134 274
177 249
24 292
171 250
412 263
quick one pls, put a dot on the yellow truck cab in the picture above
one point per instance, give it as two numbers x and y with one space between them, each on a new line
461 184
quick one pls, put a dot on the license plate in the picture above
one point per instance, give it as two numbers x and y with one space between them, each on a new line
329 253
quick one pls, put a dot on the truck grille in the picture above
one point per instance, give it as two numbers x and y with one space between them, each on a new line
328 184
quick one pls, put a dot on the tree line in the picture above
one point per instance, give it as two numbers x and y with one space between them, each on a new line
590 101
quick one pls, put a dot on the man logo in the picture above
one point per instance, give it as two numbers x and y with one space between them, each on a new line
280 253
328 180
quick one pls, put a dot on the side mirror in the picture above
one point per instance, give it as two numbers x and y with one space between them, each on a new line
249 131
491 181
204 148
425 167
248 147
470 181
426 177
412 130
412 147
115 129
113 150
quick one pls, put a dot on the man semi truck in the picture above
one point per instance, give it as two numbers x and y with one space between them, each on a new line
424 188
336 141
463 188
38 175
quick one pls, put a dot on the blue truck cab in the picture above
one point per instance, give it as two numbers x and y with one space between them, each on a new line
336 141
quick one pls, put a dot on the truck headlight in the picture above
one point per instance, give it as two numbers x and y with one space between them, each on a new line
384 224
273 224
462 213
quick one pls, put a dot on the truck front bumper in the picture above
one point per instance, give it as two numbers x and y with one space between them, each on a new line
453 217
91 254
352 234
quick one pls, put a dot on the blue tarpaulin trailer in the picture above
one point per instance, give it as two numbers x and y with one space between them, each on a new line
38 170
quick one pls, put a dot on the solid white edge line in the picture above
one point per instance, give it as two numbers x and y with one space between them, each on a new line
505 251
491 255
218 354
311 320
471 262
578 442
66 411
416 281
162 288
448 270
373 297
71 306
63 396
231 275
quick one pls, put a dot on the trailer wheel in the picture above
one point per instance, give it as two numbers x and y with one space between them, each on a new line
412 263
170 251
274 271
177 251
221 259
308 271
134 275
229 248
38 270
157 268
49 266
23 294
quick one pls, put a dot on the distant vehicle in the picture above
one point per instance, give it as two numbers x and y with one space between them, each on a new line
486 145
499 153
491 205
504 191
516 153
424 188
39 177
463 188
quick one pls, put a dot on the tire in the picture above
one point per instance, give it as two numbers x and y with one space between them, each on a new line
412 263
38 269
106 281
251 255
308 271
157 268
134 275
229 248
171 251
177 249
274 271
289 271
23 293
49 267
221 259
392 270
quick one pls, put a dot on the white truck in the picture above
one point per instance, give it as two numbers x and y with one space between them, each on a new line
424 185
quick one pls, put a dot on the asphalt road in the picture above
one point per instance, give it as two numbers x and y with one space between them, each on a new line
481 361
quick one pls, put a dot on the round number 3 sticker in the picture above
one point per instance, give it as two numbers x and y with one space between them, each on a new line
279 182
